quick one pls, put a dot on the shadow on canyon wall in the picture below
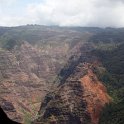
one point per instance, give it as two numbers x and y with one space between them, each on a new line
4 119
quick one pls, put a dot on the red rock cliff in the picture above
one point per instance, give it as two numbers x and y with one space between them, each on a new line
95 95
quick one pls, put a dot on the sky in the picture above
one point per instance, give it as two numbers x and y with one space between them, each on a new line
95 13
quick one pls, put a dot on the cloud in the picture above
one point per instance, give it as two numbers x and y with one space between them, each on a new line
7 2
100 13
78 12
62 12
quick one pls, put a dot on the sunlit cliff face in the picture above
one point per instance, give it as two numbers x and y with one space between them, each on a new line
95 95
82 97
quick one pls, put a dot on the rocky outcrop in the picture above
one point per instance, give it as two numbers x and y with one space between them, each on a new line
25 74
80 96
29 69
30 58
19 87
95 95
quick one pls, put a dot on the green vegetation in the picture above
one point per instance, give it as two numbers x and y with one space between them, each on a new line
113 77
113 114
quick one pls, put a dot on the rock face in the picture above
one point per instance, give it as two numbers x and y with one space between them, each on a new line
30 59
80 96
54 67
95 95
26 73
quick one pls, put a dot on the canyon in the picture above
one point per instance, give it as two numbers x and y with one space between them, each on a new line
55 75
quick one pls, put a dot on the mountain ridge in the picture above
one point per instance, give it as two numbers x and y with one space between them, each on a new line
34 60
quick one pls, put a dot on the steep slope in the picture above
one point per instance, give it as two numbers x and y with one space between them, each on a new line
30 58
80 97
20 86
113 79
113 114
98 98
26 72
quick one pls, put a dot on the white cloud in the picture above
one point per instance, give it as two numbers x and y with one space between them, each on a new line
7 2
62 12
79 12
70 13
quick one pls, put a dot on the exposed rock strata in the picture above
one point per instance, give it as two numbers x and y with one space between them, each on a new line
25 75
80 97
